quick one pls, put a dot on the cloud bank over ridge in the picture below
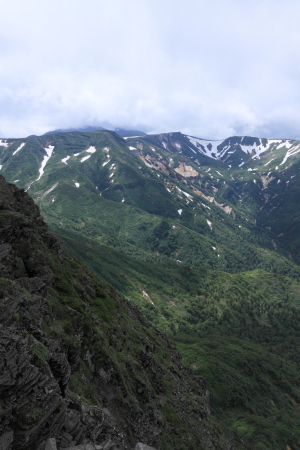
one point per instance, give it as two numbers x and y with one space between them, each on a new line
208 69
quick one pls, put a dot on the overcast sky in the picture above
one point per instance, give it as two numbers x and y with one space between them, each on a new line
210 68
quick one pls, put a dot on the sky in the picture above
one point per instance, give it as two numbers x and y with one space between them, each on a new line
211 69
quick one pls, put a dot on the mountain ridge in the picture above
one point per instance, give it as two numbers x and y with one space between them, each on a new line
190 239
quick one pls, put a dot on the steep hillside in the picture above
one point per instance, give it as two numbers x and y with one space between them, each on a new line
241 330
79 363
161 200
202 236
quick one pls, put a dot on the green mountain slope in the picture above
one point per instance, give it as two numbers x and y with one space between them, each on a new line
202 236
239 331
78 362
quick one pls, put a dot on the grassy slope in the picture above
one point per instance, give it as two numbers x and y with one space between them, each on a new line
218 320
239 331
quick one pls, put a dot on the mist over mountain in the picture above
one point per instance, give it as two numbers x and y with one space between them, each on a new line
120 131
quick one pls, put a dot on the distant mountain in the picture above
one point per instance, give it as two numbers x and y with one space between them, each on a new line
203 236
69 130
120 131
123 132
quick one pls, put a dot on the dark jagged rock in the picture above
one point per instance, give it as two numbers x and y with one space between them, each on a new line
78 363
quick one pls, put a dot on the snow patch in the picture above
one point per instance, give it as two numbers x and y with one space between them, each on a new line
132 148
179 211
19 148
91 150
85 158
64 160
291 152
208 148
15 181
3 144
269 162
76 154
209 223
1 167
49 151
77 185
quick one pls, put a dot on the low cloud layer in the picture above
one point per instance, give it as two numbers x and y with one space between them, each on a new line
210 69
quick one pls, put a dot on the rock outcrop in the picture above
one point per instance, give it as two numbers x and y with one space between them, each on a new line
78 364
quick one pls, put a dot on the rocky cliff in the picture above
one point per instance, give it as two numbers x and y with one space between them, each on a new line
78 363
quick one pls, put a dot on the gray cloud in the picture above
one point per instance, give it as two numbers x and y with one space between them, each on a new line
211 69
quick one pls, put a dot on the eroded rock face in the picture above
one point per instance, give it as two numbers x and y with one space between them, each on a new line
79 364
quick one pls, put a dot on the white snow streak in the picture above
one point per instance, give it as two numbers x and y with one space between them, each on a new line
209 148
64 160
19 148
209 223
85 158
49 151
269 162
91 150
291 152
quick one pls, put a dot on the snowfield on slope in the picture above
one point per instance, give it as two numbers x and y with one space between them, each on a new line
210 147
